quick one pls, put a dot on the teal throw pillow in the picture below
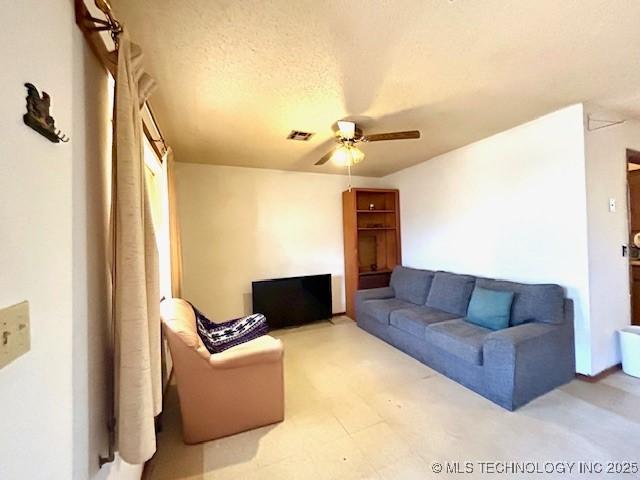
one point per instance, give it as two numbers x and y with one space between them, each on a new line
490 308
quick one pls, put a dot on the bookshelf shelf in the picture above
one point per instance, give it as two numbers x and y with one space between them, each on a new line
376 211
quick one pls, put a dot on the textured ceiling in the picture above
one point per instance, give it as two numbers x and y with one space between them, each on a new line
236 76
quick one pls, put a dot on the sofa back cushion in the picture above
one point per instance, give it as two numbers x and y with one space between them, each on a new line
531 303
410 284
451 292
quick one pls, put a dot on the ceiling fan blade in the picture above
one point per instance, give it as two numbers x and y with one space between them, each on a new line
346 129
325 158
377 137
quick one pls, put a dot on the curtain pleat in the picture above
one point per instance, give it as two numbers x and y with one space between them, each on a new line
136 286
175 243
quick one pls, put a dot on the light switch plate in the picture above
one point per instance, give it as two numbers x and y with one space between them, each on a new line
15 338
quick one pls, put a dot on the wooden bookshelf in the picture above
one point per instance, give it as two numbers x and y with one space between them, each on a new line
371 239
375 211
373 272
376 228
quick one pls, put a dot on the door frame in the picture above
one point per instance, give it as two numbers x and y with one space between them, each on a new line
632 156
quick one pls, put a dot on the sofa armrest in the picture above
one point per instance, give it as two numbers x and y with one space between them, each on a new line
513 336
264 349
535 346
374 293
528 360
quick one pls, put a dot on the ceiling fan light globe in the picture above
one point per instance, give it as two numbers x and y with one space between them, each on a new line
357 155
347 156
342 156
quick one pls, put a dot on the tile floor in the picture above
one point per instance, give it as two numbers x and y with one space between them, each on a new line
357 408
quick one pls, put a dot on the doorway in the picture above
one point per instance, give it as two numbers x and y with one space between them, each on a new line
633 200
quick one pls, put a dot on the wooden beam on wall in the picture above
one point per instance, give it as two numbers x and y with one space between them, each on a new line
153 142
99 48
93 36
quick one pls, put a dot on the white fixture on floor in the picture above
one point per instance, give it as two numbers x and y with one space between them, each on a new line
630 348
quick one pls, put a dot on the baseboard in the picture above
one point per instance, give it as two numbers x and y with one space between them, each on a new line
603 374
338 314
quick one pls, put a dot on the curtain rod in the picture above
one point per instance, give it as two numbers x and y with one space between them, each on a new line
91 28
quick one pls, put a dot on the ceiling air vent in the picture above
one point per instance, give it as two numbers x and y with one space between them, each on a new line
298 135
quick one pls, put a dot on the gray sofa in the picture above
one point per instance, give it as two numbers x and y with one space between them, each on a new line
422 313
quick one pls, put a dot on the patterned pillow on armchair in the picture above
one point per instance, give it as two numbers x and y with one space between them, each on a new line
218 337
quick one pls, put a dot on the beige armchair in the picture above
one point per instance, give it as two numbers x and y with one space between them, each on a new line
224 393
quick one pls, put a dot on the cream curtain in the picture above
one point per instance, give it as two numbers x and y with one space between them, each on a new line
135 268
174 229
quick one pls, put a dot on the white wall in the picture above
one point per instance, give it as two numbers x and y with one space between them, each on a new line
91 283
510 206
608 269
244 224
53 227
36 238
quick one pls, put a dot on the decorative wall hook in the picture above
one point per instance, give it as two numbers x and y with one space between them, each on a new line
37 116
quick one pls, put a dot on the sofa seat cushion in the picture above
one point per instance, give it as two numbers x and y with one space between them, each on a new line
381 309
459 338
414 320
531 303
410 284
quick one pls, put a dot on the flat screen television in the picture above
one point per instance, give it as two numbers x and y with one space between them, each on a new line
293 301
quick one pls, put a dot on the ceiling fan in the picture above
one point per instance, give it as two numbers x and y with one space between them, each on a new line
349 134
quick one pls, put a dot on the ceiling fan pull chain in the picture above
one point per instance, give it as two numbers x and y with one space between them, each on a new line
349 170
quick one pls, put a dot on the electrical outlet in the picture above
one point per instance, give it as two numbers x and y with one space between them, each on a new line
15 339
612 205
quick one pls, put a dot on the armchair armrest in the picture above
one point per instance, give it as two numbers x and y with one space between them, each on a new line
264 349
